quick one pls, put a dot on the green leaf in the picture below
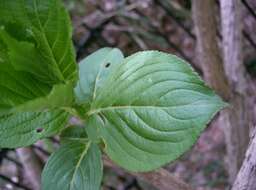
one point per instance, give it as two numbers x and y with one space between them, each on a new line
151 109
23 129
60 96
37 61
93 70
47 26
75 166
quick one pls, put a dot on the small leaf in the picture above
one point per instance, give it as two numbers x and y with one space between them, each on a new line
93 70
75 166
151 109
23 129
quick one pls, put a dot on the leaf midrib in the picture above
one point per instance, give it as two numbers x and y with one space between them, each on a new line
60 75
78 164
96 111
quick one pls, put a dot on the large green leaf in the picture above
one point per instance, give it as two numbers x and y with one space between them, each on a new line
46 30
75 166
36 54
151 109
93 70
23 129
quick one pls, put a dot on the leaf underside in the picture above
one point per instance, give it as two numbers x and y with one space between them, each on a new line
93 70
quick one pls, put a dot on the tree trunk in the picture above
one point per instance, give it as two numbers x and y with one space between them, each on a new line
204 16
224 77
241 117
246 178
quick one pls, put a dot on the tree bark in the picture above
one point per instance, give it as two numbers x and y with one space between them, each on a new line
204 18
32 166
228 76
246 178
240 119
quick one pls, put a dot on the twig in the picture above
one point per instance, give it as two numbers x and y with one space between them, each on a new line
180 24
249 8
32 166
172 45
249 39
161 179
245 34
45 152
94 34
246 178
14 183
14 161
